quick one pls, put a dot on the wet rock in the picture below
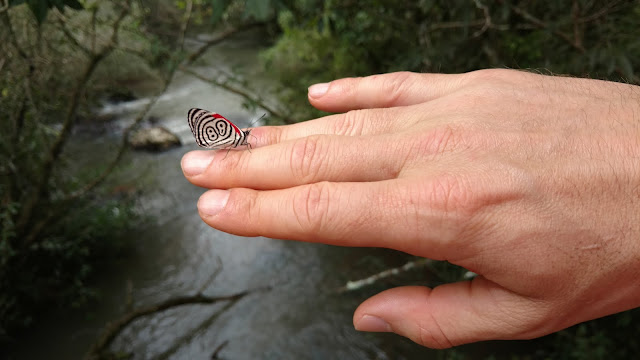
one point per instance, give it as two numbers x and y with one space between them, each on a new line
154 139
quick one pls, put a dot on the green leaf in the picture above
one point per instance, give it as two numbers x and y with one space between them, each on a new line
39 8
74 4
218 8
259 9
59 4
625 66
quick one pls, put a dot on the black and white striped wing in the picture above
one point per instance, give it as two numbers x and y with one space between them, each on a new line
212 130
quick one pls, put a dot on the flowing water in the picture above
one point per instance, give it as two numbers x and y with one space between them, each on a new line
302 316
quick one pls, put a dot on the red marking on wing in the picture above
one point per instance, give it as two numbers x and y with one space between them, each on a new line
218 116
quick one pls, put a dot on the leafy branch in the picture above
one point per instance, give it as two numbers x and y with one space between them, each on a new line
575 41
38 194
218 39
542 25
243 93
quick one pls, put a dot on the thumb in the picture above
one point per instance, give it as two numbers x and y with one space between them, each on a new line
453 314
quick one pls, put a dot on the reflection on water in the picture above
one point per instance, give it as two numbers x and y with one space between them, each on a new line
302 317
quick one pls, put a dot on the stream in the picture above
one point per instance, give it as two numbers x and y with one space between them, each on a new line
303 316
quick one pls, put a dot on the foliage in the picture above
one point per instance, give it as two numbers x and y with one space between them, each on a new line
324 40
57 269
57 227
40 8
613 337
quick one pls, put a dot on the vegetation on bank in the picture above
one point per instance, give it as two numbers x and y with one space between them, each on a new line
58 225
59 58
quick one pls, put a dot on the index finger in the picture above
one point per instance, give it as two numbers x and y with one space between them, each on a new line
374 105
353 123
383 91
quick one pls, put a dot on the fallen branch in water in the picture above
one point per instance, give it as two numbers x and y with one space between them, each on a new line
214 356
115 327
359 284
193 333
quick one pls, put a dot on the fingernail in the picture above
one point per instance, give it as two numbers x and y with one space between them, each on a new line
317 90
213 201
373 324
195 162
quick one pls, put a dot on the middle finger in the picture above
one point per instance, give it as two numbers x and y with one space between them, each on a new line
302 161
353 123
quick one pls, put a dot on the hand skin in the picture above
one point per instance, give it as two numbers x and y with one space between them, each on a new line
530 181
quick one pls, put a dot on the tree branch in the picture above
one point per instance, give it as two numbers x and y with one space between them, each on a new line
218 39
215 356
193 332
542 25
5 6
63 26
38 193
455 24
94 17
115 327
487 18
359 284
240 92
577 26
19 121
185 24
608 8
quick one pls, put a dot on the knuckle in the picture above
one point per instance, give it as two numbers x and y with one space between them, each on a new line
440 140
349 124
276 134
250 208
235 164
433 336
446 203
312 207
486 77
307 157
453 196
395 87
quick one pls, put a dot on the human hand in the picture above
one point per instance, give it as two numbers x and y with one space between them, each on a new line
530 181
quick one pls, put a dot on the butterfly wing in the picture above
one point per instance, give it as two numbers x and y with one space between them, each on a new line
212 130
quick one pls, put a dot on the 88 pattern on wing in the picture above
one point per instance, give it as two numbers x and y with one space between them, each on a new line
213 131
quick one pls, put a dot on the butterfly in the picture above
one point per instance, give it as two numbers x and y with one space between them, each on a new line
214 131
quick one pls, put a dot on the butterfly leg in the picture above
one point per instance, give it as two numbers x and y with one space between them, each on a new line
228 149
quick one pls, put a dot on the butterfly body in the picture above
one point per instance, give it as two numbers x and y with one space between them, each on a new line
214 131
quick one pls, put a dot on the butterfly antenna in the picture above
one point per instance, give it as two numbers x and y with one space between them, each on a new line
258 119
